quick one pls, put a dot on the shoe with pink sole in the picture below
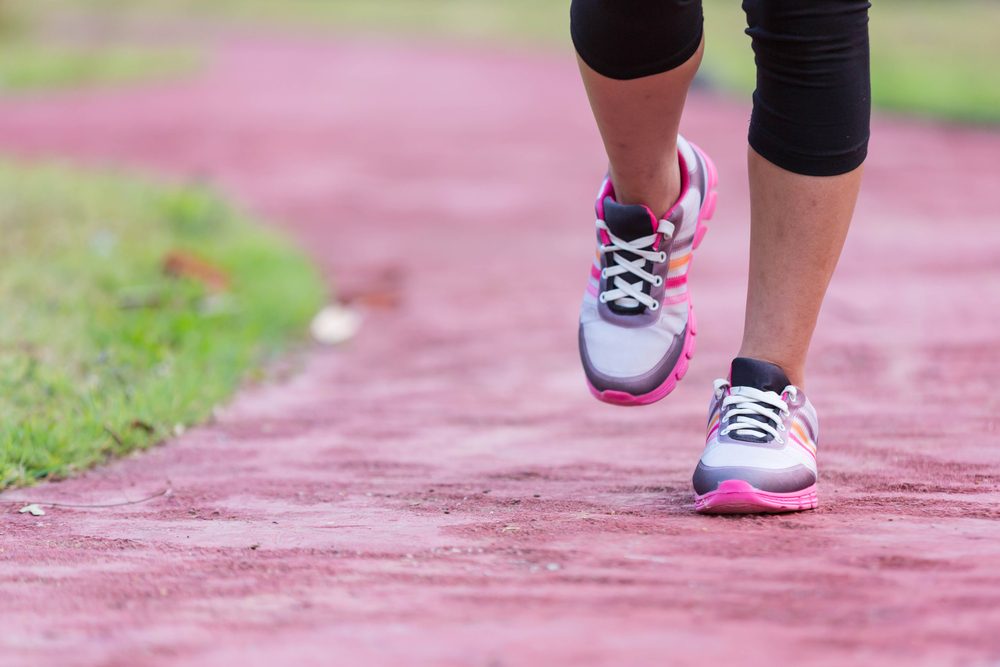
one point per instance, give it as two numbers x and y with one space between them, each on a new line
637 326
760 453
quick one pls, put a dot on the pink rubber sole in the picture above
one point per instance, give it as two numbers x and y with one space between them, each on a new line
739 497
680 369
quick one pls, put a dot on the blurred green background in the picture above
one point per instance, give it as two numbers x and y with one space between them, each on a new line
929 58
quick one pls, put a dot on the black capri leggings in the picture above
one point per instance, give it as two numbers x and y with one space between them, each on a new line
812 105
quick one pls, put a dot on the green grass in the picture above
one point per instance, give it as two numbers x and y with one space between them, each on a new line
537 22
100 352
31 59
26 65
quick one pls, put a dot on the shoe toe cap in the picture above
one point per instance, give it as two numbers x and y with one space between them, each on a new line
635 361
773 480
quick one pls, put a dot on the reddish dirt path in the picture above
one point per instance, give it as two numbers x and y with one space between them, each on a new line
444 490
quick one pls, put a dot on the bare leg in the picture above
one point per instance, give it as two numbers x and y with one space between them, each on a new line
638 120
798 227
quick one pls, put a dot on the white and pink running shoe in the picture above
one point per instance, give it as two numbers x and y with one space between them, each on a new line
760 456
637 325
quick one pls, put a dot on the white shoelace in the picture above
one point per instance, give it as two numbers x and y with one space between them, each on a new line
741 410
628 294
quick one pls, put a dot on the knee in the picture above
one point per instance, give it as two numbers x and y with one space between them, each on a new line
812 104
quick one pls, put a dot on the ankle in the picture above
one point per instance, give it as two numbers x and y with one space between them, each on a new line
658 188
794 370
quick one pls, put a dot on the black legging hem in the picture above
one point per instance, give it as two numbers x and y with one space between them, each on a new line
830 163
629 72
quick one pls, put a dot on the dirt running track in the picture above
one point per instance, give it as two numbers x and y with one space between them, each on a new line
444 490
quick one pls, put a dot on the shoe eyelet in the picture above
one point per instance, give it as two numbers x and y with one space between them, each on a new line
655 306
604 274
663 257
658 282
603 298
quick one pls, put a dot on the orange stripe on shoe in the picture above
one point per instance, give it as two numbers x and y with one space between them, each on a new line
797 427
713 421
679 262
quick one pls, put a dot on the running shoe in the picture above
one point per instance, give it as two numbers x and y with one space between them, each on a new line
637 325
760 455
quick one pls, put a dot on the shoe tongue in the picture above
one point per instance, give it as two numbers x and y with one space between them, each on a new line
629 222
762 375
758 374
